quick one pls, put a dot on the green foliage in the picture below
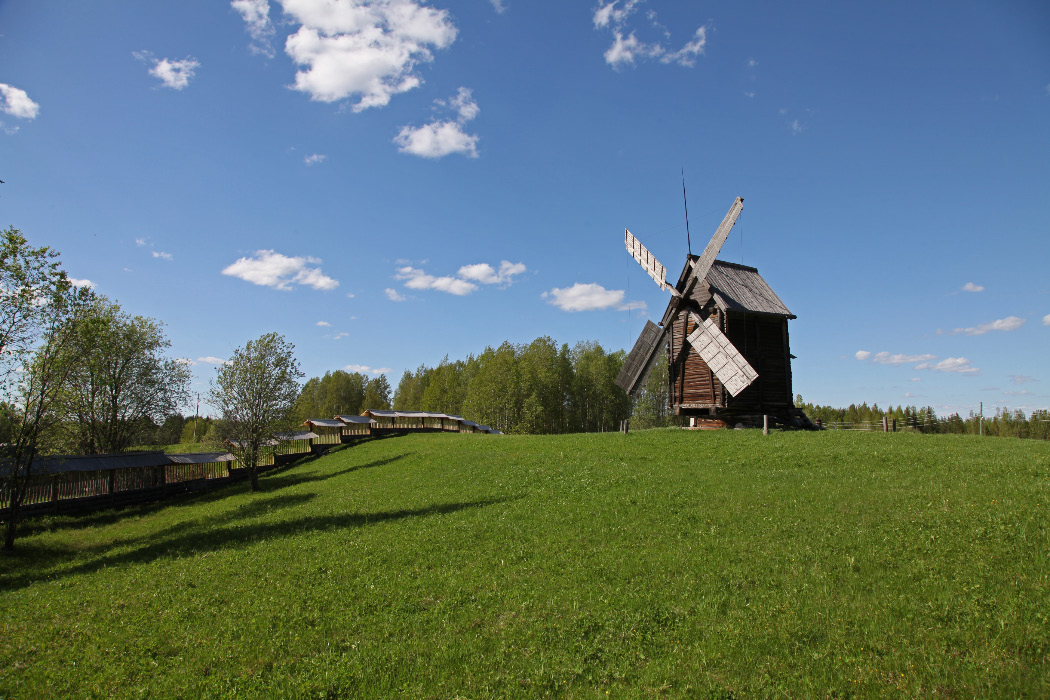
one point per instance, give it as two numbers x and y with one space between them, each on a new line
536 388
661 564
651 407
255 393
122 385
337 393
377 393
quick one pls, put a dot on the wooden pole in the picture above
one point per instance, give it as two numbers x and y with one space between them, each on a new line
765 424
885 425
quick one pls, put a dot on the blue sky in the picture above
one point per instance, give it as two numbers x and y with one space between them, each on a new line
390 182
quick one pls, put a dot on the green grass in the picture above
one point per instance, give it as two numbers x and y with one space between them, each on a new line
661 564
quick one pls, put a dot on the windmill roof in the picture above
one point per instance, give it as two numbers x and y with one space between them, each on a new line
738 288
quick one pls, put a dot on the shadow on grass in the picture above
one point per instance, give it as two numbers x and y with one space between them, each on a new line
197 537
282 481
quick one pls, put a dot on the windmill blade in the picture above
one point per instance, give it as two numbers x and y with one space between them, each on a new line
647 260
707 258
640 361
721 356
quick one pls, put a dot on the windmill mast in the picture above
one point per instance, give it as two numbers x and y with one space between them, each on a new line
688 241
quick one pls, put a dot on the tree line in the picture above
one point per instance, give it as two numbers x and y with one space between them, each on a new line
1000 422
79 375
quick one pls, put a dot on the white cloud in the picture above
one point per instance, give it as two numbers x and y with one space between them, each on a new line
16 102
185 361
365 369
486 274
971 287
209 360
162 255
587 297
140 242
1046 320
340 335
796 127
1010 323
315 158
81 283
364 48
499 6
393 295
441 138
436 140
885 358
862 354
271 269
1021 378
959 365
626 48
173 74
324 324
415 278
350 295
256 16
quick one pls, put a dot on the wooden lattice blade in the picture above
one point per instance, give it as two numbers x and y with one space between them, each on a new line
647 260
721 356
640 361
707 258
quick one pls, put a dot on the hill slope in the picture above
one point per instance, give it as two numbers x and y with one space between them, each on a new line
662 563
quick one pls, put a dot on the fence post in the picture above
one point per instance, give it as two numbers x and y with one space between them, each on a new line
54 488
765 424
894 425
885 425
109 485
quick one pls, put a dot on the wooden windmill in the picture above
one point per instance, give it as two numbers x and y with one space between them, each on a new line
726 338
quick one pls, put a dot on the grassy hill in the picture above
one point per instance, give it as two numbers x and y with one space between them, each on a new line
659 564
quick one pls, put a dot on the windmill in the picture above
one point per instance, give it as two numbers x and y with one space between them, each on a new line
725 335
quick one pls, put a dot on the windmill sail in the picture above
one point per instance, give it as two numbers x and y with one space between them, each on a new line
707 258
646 259
721 356
640 362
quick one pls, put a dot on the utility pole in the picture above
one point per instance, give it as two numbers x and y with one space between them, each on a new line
196 411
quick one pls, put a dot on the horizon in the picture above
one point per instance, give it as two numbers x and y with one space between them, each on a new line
386 184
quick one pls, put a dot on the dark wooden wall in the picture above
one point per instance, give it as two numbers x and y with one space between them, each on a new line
761 339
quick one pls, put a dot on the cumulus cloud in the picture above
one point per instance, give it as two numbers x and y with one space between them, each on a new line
324 324
1046 320
588 297
365 369
443 137
1010 323
393 295
959 365
315 158
271 269
184 361
466 280
627 48
16 102
368 49
499 6
415 278
256 16
88 284
173 74
971 287
209 360
162 255
486 274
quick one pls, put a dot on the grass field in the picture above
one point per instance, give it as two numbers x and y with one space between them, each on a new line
659 564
